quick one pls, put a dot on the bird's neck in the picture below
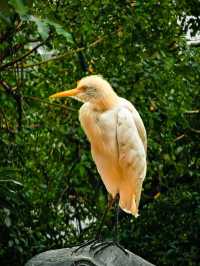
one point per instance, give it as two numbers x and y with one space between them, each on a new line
106 102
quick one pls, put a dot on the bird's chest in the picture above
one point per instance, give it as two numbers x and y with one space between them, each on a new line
100 128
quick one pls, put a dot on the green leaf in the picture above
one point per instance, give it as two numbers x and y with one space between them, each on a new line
4 18
8 172
12 181
42 26
60 30
7 221
19 7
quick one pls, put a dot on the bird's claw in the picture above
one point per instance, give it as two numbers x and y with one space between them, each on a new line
97 247
87 243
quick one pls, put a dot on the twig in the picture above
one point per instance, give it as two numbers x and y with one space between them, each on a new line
195 130
8 88
55 58
49 103
17 97
193 43
179 137
69 53
82 59
67 185
192 112
5 36
10 50
23 56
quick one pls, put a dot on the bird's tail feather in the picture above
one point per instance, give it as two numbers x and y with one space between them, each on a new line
129 206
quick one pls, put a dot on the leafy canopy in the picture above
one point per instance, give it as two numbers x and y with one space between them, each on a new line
50 193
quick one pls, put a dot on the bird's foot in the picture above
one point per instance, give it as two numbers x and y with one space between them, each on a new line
97 247
87 243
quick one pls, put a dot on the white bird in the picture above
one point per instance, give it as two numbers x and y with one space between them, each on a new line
117 136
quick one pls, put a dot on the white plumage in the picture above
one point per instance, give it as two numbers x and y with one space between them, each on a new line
117 136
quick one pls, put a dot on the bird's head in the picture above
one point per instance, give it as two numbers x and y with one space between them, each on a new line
93 89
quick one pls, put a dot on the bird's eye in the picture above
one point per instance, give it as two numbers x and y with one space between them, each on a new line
83 88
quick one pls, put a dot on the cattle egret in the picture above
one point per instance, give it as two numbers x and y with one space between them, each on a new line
117 136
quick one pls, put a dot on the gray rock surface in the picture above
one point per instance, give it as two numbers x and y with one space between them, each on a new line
92 254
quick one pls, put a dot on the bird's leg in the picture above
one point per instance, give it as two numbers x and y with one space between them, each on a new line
98 247
95 245
95 241
116 235
111 200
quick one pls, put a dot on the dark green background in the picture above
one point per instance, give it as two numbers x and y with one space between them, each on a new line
50 192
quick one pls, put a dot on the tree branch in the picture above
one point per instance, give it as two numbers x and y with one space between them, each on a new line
193 43
8 88
49 103
192 112
17 97
69 53
195 130
23 56
10 31
179 137
10 50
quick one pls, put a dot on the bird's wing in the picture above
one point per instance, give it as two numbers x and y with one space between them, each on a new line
141 130
131 154
138 121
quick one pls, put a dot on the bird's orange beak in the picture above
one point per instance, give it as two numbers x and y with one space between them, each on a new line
68 93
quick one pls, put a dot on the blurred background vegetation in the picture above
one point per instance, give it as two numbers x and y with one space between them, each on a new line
50 193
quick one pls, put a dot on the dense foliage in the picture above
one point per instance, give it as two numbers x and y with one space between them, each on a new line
50 193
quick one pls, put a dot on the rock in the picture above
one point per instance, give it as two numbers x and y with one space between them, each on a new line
90 254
